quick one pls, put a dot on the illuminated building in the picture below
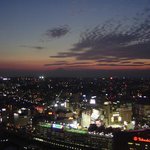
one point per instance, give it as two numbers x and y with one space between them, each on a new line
75 137
89 116
117 115
132 140
142 111
86 118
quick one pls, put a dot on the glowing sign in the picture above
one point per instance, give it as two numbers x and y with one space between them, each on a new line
57 126
140 139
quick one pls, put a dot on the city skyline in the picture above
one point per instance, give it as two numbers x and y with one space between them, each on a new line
99 35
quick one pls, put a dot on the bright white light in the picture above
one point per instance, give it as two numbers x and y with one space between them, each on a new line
74 125
3 109
62 104
111 78
92 101
119 118
112 119
16 115
133 122
95 114
114 103
58 126
145 126
56 105
93 97
115 126
125 123
65 104
85 100
115 115
41 77
84 95
5 79
19 111
106 103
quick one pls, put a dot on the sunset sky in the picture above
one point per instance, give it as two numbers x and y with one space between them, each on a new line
41 35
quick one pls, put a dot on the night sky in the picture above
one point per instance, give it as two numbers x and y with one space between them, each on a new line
48 35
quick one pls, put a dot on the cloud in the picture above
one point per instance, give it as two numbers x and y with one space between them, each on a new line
125 65
126 62
114 41
57 32
139 63
34 47
56 64
65 63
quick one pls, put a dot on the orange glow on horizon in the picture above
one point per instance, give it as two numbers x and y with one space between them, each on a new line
35 65
89 67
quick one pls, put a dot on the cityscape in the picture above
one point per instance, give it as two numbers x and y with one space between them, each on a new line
75 113
75 75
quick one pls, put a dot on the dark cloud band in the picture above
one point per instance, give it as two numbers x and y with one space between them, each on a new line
57 32
114 42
